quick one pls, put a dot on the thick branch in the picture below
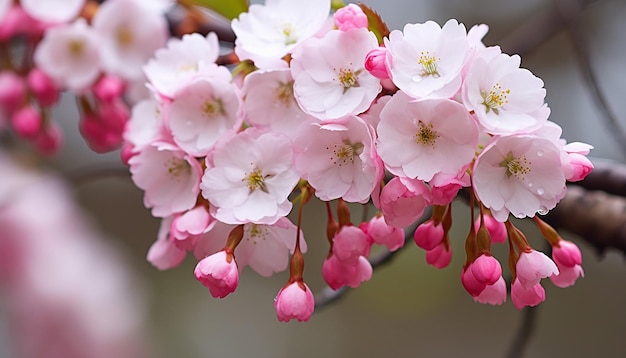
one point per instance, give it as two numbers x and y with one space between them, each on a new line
597 217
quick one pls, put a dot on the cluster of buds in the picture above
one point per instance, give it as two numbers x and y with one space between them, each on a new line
93 51
324 105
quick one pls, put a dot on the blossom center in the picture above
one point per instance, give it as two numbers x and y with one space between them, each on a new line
284 93
426 135
124 36
76 47
176 167
256 232
212 108
495 99
429 64
348 78
289 33
188 67
516 166
256 180
344 153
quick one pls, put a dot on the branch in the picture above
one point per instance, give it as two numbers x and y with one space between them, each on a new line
608 176
526 329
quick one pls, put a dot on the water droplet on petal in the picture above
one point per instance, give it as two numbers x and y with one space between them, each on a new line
540 153
540 191
530 184
417 78
542 210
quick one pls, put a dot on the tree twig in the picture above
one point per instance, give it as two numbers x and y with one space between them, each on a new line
524 333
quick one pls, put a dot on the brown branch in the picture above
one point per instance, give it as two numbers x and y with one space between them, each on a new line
597 217
524 333
608 176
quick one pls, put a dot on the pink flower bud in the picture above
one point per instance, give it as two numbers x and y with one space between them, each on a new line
12 91
403 201
294 301
384 234
187 227
493 294
350 17
440 256
338 274
428 235
27 122
218 273
126 153
522 296
376 63
470 283
15 22
43 87
579 167
533 266
486 269
567 254
350 243
49 140
108 88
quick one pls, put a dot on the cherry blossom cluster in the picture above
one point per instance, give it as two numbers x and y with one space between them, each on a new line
336 107
94 51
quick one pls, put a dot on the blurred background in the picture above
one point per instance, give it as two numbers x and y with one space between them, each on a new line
408 308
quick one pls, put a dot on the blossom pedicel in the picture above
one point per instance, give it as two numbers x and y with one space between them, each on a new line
318 104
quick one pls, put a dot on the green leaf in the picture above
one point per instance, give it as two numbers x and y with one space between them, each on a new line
376 23
230 9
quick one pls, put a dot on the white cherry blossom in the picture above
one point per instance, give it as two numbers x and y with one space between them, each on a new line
55 11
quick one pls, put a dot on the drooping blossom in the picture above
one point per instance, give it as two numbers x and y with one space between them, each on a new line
251 178
568 259
526 296
532 266
218 273
164 254
330 80
494 294
403 201
440 256
338 273
294 301
418 139
382 233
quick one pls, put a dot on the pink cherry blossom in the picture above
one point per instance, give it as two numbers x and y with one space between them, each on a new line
188 226
384 234
523 296
506 99
108 88
129 34
440 256
426 60
294 301
338 273
12 92
350 17
516 174
170 178
182 60
532 266
269 101
350 243
218 273
330 80
496 229
444 187
494 294
145 125
567 254
70 54
428 235
403 201
486 269
56 11
201 112
251 178
266 33
470 283
49 140
43 87
418 139
339 159
567 275
27 122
